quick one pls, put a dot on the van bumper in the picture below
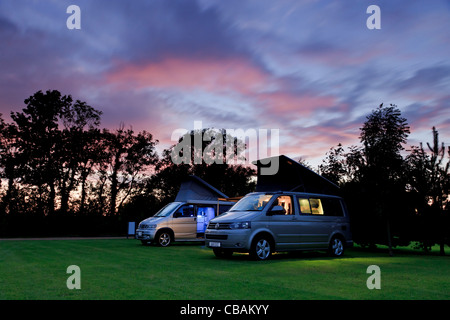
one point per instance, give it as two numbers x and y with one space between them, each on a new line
145 234
229 239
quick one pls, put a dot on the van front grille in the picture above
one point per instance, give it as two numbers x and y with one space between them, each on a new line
219 225
216 236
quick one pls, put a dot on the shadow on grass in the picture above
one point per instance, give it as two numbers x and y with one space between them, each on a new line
282 256
175 244
354 252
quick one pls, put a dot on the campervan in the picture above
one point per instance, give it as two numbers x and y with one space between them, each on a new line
185 219
180 221
265 222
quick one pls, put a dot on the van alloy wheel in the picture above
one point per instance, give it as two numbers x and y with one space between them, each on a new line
262 249
164 239
337 247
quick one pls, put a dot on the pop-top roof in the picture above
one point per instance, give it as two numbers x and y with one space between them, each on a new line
291 176
195 188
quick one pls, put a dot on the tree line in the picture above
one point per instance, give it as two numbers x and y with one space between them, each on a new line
62 174
396 196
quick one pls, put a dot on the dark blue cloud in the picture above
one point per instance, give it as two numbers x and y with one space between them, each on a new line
151 30
428 78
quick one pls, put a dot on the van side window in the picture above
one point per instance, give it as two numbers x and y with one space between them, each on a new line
286 203
321 207
186 211
305 208
311 206
332 207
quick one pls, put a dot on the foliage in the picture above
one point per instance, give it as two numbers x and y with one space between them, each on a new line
61 167
429 181
393 199
232 179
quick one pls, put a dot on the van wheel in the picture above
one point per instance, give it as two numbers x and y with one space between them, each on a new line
261 248
336 247
164 238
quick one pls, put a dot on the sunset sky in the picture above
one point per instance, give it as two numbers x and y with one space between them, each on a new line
311 69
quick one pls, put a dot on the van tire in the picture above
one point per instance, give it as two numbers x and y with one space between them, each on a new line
164 238
262 247
336 247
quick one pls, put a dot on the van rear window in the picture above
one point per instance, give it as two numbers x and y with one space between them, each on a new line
332 207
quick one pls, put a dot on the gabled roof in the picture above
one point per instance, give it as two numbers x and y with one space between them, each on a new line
292 176
194 188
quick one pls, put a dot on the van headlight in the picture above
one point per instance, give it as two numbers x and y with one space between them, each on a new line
241 225
147 226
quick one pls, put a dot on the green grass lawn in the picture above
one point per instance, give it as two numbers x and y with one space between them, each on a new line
124 269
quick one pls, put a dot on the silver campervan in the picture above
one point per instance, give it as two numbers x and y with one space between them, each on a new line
265 222
180 221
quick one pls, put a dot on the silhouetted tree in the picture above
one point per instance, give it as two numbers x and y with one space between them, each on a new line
9 163
429 180
334 167
91 157
371 176
38 139
76 151
128 155
50 139
383 136
214 159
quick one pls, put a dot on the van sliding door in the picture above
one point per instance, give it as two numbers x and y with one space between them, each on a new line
184 222
313 226
283 225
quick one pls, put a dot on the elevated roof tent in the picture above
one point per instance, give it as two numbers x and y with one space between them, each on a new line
195 188
292 176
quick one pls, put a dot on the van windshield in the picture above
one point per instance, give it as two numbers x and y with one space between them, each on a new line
252 202
167 210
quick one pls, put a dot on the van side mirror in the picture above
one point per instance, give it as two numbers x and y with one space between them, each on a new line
276 210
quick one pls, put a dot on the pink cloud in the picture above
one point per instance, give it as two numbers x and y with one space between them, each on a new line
188 74
275 105
305 104
222 75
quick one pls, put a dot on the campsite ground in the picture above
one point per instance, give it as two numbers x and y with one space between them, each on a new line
124 269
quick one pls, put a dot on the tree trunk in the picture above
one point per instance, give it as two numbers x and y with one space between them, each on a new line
8 196
83 192
66 189
51 199
114 188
